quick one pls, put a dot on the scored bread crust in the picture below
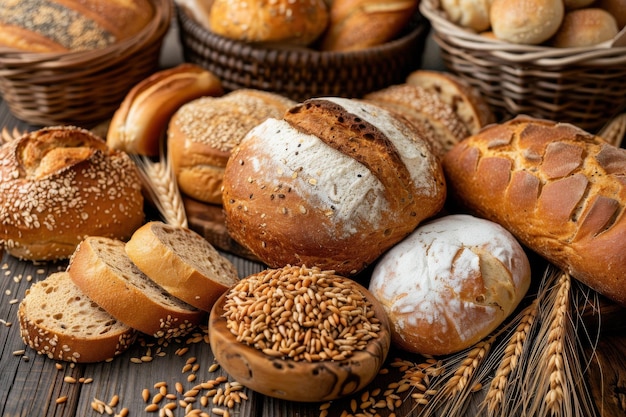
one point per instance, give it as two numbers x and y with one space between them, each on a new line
182 262
58 320
558 189
101 269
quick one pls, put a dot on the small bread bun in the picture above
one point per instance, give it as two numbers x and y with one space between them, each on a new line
450 283
471 14
58 320
182 262
61 184
617 8
289 22
529 22
360 24
333 184
576 4
101 268
203 132
585 27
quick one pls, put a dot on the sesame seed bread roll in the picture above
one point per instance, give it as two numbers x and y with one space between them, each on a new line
558 189
333 185
203 132
59 321
182 262
529 22
427 111
450 283
288 22
101 268
61 184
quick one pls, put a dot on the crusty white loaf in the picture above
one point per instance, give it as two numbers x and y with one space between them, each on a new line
182 262
58 320
334 184
450 283
557 188
203 132
101 268
60 184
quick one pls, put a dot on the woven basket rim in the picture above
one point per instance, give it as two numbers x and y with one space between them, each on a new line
540 55
229 44
156 28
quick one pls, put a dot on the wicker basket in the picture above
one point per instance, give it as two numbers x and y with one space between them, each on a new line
81 88
583 86
303 73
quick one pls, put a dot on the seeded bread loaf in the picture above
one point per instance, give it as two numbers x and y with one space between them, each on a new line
103 271
450 283
58 320
70 25
557 188
61 184
182 262
333 184
203 132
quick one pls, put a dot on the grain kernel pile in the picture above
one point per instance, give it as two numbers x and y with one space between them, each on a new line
300 313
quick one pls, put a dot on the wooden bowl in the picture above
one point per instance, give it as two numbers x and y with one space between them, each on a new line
299 380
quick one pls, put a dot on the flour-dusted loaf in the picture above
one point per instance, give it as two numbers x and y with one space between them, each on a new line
70 25
101 268
182 262
61 184
59 321
450 283
333 184
203 132
560 190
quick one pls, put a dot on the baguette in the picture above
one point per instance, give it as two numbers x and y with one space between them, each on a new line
58 320
558 189
141 119
101 269
182 262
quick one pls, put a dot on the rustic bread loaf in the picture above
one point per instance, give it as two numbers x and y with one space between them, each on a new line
182 262
360 24
427 111
70 25
141 120
287 22
333 184
465 100
203 132
528 22
450 283
557 188
101 268
585 27
60 184
58 320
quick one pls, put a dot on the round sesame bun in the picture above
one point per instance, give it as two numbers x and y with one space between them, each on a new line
529 22
203 132
289 22
585 27
61 184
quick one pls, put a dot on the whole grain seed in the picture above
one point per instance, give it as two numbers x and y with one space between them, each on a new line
145 394
152 408
61 400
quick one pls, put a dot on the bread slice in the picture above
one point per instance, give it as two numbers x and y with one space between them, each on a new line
58 320
182 262
101 268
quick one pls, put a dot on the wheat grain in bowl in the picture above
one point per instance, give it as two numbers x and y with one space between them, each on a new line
300 334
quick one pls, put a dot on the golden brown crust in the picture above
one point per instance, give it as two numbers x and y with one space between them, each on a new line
558 189
289 22
360 24
60 184
142 118
528 22
585 27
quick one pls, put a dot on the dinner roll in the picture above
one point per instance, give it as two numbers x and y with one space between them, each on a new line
585 27
450 283
617 8
526 22
203 132
292 22
333 184
61 184
471 14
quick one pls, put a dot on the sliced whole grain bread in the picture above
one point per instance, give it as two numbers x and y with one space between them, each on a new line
60 321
